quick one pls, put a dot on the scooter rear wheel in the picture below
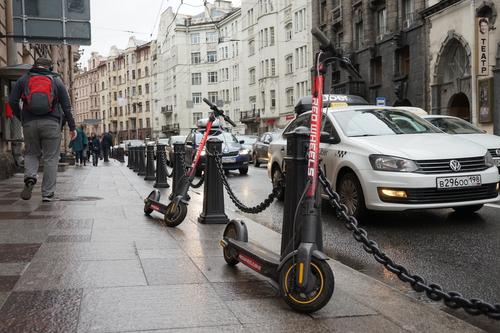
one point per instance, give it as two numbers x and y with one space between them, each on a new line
173 219
154 196
230 232
323 285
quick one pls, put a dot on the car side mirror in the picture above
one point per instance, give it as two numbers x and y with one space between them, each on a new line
242 142
329 138
189 142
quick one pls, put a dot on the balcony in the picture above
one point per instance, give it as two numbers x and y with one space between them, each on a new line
335 15
171 129
250 116
167 109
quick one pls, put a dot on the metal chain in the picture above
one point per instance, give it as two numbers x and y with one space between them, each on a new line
250 210
433 291
200 183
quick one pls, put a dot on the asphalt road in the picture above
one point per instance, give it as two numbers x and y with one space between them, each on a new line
460 253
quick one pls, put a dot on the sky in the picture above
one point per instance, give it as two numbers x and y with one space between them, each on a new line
113 22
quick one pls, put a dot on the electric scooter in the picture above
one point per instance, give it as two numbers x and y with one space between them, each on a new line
175 212
305 279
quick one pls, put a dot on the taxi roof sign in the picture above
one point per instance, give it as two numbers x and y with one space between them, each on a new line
335 100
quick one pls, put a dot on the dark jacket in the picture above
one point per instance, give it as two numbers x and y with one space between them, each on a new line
95 145
107 140
81 140
64 113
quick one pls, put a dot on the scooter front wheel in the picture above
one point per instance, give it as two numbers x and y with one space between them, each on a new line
153 196
321 280
175 215
230 232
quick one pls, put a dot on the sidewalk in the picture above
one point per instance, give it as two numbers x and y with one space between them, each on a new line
100 265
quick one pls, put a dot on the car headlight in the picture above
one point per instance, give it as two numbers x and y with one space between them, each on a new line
488 160
391 163
244 152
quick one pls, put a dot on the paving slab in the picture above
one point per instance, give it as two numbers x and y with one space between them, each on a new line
180 270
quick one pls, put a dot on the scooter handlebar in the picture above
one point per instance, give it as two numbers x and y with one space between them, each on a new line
218 112
324 43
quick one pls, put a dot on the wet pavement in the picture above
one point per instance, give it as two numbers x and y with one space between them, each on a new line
95 263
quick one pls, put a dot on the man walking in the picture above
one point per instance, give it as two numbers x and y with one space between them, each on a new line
45 104
107 143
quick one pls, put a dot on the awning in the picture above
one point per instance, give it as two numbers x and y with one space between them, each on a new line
14 72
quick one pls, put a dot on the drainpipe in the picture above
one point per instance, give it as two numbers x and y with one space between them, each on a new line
473 109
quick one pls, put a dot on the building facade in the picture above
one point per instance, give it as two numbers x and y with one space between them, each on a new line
463 61
385 41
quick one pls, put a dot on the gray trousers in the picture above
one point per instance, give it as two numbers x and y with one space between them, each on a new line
42 138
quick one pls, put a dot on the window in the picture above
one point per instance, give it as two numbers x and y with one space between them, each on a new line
289 64
148 108
250 17
251 75
197 116
146 87
273 67
273 98
197 98
302 88
146 71
236 93
289 97
403 60
408 12
212 77
376 70
300 20
267 67
140 90
251 47
195 39
139 73
358 35
196 79
213 96
212 37
236 72
133 74
323 12
211 56
301 57
271 36
381 23
195 58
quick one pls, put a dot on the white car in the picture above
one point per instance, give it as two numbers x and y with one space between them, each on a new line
464 129
383 158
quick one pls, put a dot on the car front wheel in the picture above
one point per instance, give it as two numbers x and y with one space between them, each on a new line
278 182
351 195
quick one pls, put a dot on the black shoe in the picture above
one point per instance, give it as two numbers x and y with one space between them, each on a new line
28 188
49 198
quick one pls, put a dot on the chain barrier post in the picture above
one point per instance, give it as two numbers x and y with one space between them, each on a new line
295 183
141 160
213 192
161 167
129 158
150 163
178 165
135 155
120 154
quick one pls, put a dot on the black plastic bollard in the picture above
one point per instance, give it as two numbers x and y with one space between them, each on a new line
120 154
295 183
161 167
135 164
142 161
179 170
129 158
213 192
150 163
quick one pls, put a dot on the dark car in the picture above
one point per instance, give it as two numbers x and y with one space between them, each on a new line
260 148
234 156
169 146
247 142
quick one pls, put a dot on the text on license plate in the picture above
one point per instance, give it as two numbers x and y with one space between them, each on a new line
228 159
460 181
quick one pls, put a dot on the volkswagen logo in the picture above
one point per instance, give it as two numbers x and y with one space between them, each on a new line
497 152
455 165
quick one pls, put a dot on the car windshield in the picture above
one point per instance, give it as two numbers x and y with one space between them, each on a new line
248 140
378 122
454 126
224 136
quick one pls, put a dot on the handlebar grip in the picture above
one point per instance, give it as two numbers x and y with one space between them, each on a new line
212 106
226 118
325 43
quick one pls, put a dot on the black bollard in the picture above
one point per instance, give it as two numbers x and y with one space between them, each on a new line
142 161
161 167
150 163
120 154
179 170
295 183
129 158
135 154
213 192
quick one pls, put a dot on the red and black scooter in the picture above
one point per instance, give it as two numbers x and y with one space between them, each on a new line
175 212
306 280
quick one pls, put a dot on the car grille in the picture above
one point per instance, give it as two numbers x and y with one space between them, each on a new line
434 196
231 153
493 152
470 164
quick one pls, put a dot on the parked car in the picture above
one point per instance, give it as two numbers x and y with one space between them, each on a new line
260 148
132 143
234 156
383 158
464 129
169 146
247 142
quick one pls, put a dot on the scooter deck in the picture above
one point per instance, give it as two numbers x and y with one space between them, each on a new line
256 257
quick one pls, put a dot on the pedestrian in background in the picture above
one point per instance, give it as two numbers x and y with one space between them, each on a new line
79 145
107 143
45 106
95 147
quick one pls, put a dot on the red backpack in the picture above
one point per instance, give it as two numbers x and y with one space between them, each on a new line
39 94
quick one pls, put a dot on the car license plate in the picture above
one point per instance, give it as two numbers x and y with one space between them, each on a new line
457 182
228 159
497 162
